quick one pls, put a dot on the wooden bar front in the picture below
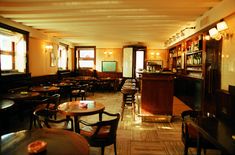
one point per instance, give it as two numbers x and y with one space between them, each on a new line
157 93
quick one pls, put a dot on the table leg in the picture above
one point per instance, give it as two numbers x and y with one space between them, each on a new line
198 145
100 116
76 125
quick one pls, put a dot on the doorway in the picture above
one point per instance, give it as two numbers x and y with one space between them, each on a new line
139 63
212 74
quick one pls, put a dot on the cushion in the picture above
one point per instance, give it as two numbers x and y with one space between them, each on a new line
192 131
89 131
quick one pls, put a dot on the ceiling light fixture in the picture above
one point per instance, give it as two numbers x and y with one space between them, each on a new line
178 36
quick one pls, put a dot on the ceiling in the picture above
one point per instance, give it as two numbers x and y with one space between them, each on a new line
107 23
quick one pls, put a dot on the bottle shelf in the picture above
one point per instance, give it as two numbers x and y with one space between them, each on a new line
189 65
191 70
187 57
194 52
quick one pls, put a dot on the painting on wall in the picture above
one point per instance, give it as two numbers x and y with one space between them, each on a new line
109 66
52 59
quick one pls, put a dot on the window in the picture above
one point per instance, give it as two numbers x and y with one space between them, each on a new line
12 51
85 57
63 57
6 52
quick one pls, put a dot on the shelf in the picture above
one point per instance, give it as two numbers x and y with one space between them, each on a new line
194 70
195 52
200 65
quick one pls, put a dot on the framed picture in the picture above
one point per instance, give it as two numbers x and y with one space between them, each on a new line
52 59
109 66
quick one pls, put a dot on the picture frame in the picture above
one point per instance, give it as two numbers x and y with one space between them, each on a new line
109 66
52 59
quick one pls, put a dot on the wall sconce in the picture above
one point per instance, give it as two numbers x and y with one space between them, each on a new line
48 47
214 33
221 26
220 31
157 53
108 53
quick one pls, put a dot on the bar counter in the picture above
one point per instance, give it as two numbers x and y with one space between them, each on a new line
157 93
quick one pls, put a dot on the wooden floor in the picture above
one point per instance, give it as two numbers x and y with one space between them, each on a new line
143 138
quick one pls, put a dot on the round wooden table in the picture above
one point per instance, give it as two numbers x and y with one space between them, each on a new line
5 106
18 96
45 89
59 142
81 108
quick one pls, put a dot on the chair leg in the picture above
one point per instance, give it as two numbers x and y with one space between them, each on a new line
204 150
133 106
31 121
122 112
115 148
102 150
185 150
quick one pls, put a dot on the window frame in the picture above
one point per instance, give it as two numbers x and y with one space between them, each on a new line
59 55
26 38
77 57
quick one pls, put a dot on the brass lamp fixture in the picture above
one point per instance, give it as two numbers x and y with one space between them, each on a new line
108 53
48 48
220 31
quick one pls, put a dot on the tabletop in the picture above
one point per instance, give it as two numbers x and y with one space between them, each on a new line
81 108
5 103
63 84
59 142
44 89
218 132
81 78
24 95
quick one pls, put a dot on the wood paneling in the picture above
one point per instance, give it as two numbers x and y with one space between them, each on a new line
157 94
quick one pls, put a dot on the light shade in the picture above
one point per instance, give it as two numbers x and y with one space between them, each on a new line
214 33
222 26
49 47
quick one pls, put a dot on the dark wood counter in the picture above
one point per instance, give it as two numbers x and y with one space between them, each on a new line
157 93
219 132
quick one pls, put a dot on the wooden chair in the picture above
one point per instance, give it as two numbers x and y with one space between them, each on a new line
43 118
190 133
79 91
50 103
102 133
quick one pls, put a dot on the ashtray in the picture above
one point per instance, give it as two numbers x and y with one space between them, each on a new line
37 146
46 87
83 105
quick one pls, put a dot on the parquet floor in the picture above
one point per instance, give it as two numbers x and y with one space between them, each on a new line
135 137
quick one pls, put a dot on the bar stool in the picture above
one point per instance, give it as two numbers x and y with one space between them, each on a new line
128 99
